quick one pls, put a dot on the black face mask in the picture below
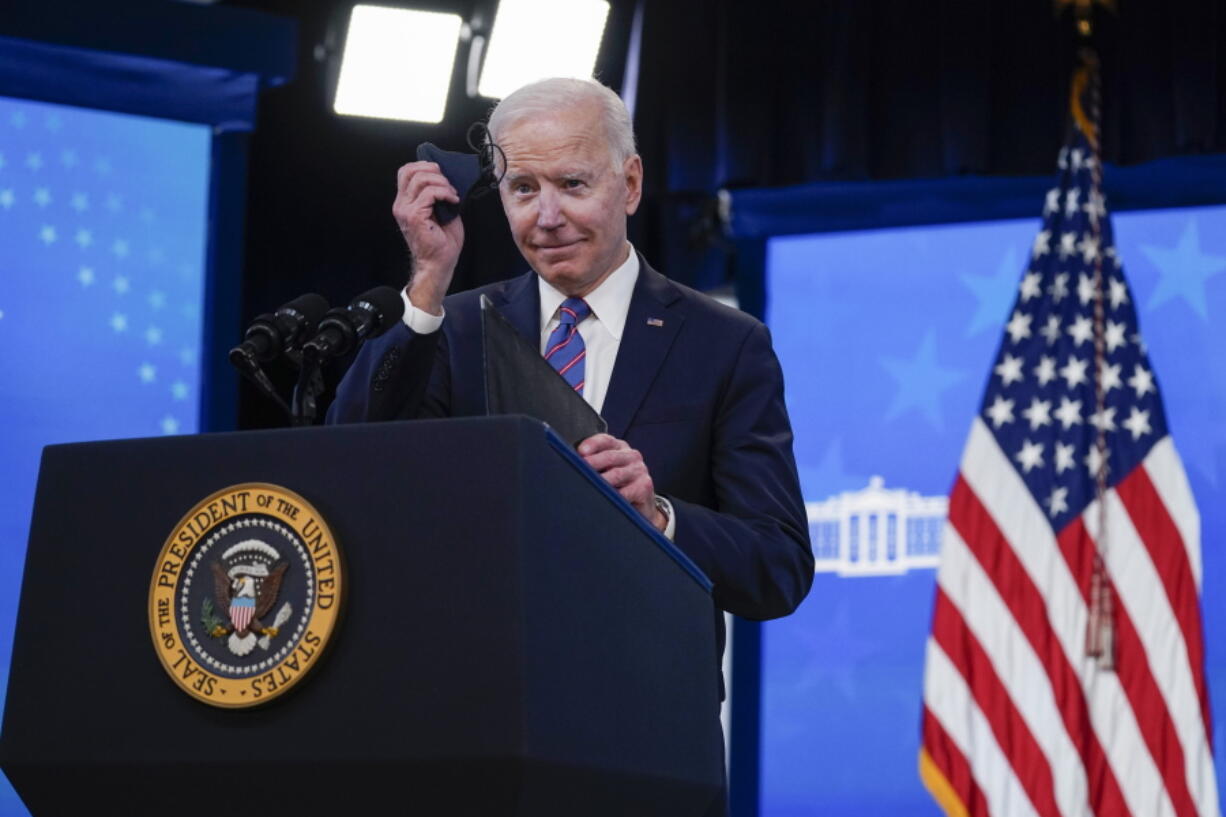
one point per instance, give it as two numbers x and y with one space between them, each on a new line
471 174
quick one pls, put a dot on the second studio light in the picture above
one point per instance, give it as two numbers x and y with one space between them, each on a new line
534 39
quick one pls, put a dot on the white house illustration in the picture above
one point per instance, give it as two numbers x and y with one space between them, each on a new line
875 531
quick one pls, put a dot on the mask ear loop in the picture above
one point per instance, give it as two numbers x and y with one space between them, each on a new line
478 138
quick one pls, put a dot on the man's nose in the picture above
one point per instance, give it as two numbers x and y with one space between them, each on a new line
549 210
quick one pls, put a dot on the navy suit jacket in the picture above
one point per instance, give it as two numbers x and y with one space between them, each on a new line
698 391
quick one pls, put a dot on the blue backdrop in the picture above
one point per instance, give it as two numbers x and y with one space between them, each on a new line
886 338
103 223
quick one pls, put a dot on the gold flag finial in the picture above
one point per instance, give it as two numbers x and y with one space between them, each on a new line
1083 12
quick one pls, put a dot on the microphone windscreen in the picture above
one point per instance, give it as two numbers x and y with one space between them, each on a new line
311 306
386 305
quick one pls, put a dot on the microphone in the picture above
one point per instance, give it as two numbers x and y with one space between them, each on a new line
271 335
369 315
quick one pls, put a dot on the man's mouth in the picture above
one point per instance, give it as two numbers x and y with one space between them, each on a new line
557 246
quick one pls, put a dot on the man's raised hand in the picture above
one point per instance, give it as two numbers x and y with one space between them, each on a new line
435 248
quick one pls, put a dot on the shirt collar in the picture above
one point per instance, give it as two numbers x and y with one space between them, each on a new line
609 302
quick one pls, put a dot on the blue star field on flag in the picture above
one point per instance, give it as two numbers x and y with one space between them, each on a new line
1040 401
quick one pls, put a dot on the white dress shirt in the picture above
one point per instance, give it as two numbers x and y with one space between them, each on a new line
601 332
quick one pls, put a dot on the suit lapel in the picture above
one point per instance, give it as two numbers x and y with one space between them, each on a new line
522 307
651 326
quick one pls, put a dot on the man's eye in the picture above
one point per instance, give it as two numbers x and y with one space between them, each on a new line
523 188
573 183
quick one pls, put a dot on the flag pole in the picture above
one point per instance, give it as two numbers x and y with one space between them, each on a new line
1086 110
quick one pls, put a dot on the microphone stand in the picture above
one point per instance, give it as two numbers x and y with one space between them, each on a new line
250 369
304 405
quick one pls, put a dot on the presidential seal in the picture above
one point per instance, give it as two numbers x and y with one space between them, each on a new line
245 595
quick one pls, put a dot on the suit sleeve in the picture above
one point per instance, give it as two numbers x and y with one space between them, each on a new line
400 375
754 545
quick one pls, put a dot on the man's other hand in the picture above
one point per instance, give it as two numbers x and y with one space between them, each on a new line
435 248
624 469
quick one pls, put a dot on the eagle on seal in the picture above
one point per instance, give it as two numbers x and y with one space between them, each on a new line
248 591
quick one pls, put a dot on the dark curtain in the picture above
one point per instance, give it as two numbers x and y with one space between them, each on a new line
765 93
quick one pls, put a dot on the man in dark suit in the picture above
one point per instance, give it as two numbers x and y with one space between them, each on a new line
699 440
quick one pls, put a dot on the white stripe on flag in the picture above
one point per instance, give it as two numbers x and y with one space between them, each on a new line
949 700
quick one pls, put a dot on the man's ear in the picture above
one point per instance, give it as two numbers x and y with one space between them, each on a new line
632 172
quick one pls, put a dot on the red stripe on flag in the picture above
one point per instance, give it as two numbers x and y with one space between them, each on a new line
1028 608
1169 554
1136 679
952 763
1015 739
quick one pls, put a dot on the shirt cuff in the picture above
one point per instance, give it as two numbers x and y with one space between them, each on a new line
671 528
420 321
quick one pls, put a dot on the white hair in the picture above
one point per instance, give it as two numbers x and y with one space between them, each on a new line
560 93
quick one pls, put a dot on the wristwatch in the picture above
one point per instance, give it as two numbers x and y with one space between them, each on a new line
663 507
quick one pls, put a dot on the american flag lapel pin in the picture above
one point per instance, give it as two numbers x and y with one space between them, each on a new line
655 322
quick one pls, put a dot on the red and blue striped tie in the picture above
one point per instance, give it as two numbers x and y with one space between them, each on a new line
565 350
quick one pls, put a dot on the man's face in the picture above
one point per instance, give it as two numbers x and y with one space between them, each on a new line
565 198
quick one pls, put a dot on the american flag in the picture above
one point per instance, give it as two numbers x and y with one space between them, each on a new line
1020 717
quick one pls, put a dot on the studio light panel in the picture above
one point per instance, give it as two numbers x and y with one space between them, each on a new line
534 39
397 64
